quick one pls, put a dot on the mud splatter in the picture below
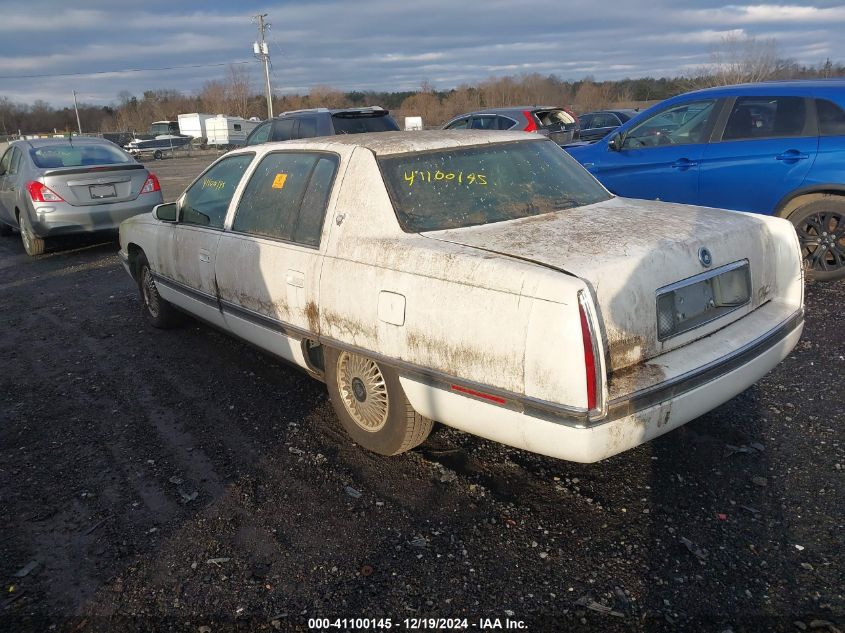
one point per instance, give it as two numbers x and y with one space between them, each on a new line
312 314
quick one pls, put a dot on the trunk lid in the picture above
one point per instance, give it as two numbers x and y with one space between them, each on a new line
626 250
101 184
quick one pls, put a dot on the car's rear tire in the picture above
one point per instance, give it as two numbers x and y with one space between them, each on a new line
5 230
160 313
371 404
158 155
820 225
32 244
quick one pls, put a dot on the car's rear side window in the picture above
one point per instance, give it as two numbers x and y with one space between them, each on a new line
286 197
467 186
70 155
360 124
307 127
505 123
206 201
831 118
283 130
765 117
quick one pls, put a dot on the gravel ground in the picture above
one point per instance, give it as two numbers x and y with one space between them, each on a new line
181 480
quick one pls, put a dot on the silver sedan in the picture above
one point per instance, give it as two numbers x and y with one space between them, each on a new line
63 186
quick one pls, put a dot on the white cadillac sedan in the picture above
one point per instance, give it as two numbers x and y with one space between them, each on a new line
480 279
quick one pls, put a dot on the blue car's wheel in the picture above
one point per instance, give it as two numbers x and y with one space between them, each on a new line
821 231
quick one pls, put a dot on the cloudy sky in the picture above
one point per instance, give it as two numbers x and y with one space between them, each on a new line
379 44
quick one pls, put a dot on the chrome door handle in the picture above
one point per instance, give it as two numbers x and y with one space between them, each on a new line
205 256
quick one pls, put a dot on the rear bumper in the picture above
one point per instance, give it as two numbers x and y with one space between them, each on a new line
632 420
49 220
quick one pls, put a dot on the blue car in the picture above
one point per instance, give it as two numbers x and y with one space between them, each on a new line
776 148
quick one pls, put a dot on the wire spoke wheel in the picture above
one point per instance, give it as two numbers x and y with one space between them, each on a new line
363 391
150 292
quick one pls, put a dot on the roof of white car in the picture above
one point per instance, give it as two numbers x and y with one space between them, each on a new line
385 143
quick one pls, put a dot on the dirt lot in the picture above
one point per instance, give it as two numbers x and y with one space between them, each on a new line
181 480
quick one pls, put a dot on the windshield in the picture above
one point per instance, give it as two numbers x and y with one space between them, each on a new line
454 188
53 156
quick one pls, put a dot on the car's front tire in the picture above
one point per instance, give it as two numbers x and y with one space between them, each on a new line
157 311
371 404
32 244
820 225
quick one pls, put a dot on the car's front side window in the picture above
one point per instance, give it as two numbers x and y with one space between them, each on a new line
460 124
682 124
206 201
261 134
6 161
286 197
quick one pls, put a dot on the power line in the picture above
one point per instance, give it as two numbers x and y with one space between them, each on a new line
123 70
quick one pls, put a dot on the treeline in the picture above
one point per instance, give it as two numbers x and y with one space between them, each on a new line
234 95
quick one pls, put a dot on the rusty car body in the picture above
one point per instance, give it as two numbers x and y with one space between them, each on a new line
480 279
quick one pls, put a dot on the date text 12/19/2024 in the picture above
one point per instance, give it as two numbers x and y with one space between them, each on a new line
417 624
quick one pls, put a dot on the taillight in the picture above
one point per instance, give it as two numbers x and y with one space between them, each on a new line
151 185
39 192
590 365
531 127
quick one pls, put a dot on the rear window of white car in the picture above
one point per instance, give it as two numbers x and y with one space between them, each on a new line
55 156
454 188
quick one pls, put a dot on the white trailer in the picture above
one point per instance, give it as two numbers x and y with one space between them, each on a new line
228 131
194 124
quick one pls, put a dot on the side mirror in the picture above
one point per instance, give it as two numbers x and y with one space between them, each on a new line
165 212
614 144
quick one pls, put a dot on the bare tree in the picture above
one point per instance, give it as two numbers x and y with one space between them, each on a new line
213 97
239 91
740 58
592 96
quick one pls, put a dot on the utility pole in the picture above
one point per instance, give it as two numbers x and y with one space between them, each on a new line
262 52
76 108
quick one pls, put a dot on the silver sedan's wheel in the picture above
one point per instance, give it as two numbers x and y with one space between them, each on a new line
32 244
371 404
364 392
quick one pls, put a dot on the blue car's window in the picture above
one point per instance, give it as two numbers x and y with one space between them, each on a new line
765 117
467 186
831 118
682 124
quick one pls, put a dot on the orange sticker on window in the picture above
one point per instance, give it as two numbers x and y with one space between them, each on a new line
279 181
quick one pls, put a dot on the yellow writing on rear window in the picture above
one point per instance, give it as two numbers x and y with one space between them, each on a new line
279 181
460 177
